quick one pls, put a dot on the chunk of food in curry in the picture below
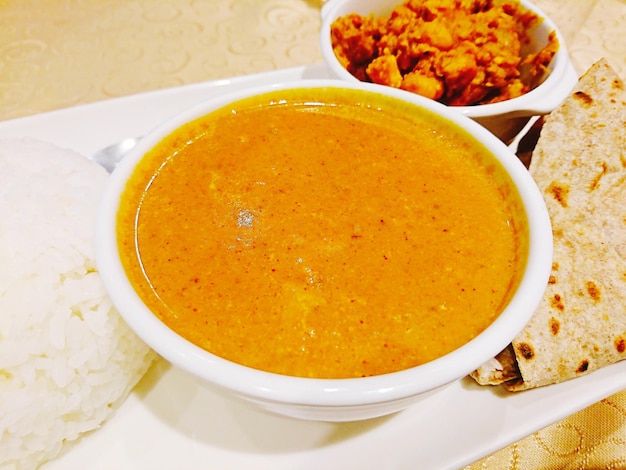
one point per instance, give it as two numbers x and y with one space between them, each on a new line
461 53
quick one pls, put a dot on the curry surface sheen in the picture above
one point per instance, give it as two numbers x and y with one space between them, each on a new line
335 238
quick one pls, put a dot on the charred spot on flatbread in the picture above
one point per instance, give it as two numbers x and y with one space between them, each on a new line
618 85
584 365
596 180
557 303
555 326
593 291
583 98
526 351
559 191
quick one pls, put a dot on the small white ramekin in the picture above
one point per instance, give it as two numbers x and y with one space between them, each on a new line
505 119
329 399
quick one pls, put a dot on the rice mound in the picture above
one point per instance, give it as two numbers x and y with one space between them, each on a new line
67 359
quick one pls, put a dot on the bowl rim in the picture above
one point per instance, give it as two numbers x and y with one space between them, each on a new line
540 100
271 387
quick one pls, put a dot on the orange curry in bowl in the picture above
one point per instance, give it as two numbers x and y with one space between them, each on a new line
346 236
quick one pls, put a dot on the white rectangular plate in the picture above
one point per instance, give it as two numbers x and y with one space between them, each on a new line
172 421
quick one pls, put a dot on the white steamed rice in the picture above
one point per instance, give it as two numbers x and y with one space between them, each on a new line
67 359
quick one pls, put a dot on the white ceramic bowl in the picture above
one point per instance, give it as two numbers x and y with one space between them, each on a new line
329 399
505 119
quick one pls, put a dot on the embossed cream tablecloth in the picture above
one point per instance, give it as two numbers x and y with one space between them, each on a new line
60 53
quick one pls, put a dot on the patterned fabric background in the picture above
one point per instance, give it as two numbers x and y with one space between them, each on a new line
60 53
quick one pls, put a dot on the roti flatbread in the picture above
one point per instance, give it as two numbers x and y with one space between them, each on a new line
579 164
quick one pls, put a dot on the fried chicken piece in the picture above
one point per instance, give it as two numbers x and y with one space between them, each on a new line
384 71
428 86
354 39
459 52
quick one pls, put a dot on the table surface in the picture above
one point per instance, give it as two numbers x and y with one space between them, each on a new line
61 53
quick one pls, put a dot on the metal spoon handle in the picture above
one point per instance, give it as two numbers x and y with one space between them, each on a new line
110 156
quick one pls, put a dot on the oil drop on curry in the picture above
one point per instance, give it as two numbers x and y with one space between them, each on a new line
327 239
